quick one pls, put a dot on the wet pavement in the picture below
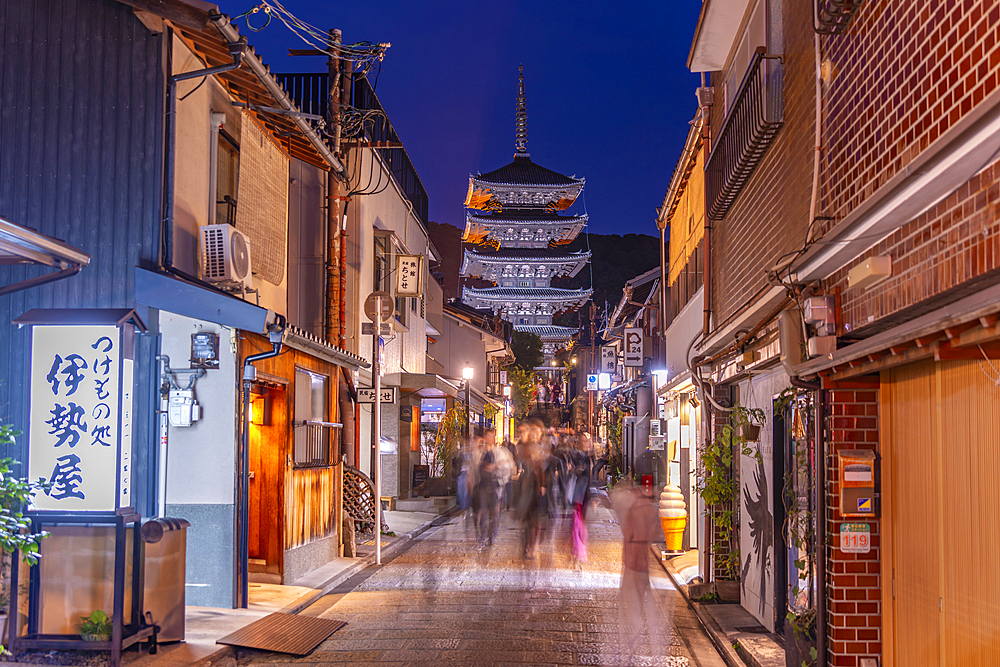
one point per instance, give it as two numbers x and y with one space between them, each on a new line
445 601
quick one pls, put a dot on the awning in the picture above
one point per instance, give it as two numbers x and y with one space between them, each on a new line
306 342
718 24
424 384
170 293
20 245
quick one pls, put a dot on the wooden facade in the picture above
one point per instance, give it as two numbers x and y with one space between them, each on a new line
290 506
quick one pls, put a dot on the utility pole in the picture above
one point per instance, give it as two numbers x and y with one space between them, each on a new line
332 322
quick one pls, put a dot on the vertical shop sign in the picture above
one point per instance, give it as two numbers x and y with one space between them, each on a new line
81 418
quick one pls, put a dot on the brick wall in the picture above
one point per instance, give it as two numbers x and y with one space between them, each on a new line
904 73
950 246
854 608
770 216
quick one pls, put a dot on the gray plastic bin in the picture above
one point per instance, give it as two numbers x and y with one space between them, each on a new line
166 554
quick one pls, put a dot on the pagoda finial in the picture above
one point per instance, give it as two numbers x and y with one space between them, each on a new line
521 122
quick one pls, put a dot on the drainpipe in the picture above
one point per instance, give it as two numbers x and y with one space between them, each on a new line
333 212
237 49
706 141
275 333
820 532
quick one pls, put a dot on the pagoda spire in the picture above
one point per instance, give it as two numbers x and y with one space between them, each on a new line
521 117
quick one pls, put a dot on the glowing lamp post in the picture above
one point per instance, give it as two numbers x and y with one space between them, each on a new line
467 373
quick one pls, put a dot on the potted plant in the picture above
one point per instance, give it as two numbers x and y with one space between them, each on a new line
96 627
803 651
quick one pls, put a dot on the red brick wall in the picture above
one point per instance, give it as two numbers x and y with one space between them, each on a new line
854 608
955 242
770 216
904 73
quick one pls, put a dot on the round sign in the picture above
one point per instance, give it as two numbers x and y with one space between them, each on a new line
380 306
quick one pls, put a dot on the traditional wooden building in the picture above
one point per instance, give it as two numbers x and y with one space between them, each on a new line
515 224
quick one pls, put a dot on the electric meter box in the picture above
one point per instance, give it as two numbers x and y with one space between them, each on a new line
857 483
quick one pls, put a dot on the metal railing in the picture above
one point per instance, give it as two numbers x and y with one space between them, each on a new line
316 444
833 16
311 94
754 119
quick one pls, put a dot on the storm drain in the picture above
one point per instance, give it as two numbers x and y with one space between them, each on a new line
753 629
284 633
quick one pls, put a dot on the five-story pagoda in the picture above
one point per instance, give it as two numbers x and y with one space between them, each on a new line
516 223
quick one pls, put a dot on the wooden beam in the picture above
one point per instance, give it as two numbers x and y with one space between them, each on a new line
977 336
904 356
897 350
955 331
945 352
177 12
927 341
989 321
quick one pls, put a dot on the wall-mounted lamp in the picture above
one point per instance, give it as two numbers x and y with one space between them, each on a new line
467 373
506 391
694 402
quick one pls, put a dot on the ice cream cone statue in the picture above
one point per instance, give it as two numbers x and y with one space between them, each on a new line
673 516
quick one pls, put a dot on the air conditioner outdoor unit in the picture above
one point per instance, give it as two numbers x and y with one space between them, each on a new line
225 256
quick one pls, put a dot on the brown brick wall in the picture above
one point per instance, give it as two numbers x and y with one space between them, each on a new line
769 218
854 616
904 73
951 244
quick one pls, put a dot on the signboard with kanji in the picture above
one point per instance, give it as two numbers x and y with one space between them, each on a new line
409 275
81 418
609 359
367 394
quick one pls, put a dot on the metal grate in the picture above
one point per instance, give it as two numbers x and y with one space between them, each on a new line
284 633
316 443
834 16
214 247
754 119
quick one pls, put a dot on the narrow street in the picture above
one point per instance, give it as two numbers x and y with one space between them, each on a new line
444 602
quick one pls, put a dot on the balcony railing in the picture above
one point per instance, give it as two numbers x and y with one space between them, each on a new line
311 95
755 117
317 444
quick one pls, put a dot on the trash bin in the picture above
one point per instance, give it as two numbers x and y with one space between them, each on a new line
166 550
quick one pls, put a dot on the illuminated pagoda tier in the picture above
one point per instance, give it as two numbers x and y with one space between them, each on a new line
516 223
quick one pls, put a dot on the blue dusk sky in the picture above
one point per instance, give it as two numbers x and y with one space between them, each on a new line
609 95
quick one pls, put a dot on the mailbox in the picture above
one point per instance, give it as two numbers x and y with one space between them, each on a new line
857 482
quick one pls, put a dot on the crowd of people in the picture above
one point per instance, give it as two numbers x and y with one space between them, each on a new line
549 475
545 473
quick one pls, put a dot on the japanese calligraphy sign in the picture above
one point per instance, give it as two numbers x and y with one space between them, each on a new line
633 346
609 358
408 275
81 418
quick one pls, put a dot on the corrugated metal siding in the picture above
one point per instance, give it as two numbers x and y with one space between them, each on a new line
81 110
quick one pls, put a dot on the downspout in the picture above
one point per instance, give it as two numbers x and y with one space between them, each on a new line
275 333
706 265
237 49
820 532
343 279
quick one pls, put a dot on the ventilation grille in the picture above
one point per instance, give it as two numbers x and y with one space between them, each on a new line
214 248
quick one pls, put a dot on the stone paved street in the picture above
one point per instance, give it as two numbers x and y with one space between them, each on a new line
444 602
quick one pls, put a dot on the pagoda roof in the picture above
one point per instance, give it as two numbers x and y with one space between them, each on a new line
475 262
533 254
522 171
528 293
527 221
547 331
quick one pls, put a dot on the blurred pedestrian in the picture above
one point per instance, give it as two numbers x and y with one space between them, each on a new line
639 523
487 497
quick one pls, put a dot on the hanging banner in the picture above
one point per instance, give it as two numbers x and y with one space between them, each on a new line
81 418
633 346
408 275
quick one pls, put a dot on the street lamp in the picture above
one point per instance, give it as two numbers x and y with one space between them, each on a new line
506 413
467 375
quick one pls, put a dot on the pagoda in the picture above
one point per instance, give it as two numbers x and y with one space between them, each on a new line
516 223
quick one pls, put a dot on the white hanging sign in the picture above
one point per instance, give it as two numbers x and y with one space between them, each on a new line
408 275
81 418
609 357
633 346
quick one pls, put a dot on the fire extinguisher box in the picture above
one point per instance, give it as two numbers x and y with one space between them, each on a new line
857 483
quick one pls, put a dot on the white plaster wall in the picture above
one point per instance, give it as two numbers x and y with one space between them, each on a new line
461 344
201 459
757 594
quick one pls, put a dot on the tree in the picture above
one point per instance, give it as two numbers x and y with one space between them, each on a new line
527 348
523 383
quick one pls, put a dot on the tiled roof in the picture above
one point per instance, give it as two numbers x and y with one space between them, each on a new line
541 254
547 331
522 171
528 293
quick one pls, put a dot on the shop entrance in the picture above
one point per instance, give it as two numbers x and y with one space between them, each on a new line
268 429
941 493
